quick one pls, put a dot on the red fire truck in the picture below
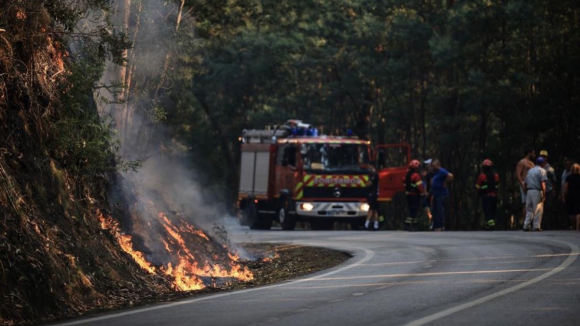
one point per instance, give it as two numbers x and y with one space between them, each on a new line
290 174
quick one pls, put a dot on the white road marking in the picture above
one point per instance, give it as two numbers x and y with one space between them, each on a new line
369 254
364 277
571 258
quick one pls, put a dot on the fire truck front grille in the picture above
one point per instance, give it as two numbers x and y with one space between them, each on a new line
323 192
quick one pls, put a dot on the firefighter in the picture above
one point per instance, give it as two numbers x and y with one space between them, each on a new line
487 185
427 175
372 199
414 190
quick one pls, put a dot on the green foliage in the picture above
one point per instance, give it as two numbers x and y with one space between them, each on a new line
461 80
84 142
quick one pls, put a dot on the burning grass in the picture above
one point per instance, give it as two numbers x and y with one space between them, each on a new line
180 240
272 263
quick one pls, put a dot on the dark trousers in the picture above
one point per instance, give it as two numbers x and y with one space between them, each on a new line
414 205
548 217
438 211
489 205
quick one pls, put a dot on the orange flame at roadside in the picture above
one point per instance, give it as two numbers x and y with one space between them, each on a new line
187 274
188 266
271 258
125 242
184 279
127 246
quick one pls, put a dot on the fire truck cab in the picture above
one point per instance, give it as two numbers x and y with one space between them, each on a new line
290 174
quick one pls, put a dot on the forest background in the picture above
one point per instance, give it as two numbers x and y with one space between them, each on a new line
91 90
458 80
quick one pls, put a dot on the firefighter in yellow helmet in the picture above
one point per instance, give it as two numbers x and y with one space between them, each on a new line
487 186
413 190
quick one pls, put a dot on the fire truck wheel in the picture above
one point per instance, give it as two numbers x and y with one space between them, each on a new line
287 221
322 225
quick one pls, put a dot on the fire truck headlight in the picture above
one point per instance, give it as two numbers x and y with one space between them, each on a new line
364 207
306 207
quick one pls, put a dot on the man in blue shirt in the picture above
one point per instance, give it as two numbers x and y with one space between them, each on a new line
441 179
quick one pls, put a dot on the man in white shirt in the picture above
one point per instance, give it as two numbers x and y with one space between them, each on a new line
535 186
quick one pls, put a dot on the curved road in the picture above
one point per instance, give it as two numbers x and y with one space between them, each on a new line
399 278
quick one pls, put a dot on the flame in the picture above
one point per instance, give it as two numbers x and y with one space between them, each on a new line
272 257
174 233
185 280
243 274
189 228
187 274
125 242
127 246
233 257
167 246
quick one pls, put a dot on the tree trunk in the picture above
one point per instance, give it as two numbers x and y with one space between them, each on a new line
123 10
168 56
129 86
423 118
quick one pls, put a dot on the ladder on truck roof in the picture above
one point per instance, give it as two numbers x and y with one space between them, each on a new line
271 133
262 136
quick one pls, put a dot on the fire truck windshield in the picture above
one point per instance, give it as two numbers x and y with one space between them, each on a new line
333 157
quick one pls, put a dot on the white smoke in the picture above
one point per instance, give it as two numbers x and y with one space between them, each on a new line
165 169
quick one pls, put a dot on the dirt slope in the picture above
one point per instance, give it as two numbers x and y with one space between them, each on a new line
65 249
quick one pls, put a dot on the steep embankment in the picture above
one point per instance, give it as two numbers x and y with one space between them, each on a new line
55 259
64 249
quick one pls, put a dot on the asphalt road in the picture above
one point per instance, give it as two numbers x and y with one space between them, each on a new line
399 278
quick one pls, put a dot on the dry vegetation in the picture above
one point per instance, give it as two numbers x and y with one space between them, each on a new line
274 263
56 260
56 175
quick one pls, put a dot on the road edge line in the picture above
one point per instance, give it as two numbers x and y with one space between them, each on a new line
369 254
571 258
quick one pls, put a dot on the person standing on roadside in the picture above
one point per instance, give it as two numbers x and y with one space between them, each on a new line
373 200
571 195
487 185
548 216
524 165
535 187
567 171
427 176
414 191
439 183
